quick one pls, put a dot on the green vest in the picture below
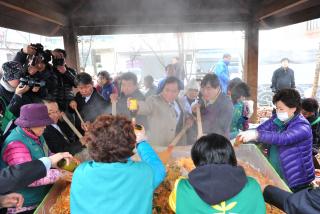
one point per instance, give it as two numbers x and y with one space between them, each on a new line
6 119
315 122
249 200
274 157
32 195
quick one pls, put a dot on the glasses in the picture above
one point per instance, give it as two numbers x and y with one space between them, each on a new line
54 112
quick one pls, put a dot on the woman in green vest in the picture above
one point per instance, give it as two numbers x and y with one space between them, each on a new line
217 184
24 144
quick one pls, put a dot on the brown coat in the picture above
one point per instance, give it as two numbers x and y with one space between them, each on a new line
161 119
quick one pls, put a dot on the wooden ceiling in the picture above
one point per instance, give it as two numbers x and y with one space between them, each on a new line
95 17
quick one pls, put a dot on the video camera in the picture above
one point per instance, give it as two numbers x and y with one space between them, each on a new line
31 82
40 55
58 62
38 47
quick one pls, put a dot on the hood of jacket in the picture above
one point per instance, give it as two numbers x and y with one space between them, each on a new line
215 183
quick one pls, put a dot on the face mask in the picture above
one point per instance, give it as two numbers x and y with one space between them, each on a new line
226 62
283 116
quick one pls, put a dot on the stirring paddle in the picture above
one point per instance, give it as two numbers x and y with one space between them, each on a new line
199 123
166 154
72 127
79 116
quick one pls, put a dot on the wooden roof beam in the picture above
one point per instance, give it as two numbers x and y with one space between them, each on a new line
13 23
33 8
159 28
124 20
277 7
78 6
299 16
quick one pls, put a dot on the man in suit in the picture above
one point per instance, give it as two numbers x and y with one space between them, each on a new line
165 113
59 137
16 177
216 107
129 89
88 101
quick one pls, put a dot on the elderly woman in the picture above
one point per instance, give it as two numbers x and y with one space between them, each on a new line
289 136
26 143
18 176
190 96
112 182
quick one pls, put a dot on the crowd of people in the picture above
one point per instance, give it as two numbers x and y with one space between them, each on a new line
43 102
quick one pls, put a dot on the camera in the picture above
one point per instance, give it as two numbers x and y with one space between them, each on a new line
38 47
40 55
58 62
31 82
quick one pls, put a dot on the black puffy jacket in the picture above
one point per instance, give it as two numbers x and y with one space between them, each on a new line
64 84
50 90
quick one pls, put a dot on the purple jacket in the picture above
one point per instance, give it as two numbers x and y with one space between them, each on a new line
294 146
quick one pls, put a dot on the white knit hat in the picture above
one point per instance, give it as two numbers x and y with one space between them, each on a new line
192 84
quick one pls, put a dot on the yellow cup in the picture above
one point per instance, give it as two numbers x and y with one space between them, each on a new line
133 104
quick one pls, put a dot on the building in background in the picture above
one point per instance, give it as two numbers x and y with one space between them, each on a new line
12 41
148 54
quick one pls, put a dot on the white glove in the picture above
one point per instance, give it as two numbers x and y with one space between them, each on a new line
250 135
250 104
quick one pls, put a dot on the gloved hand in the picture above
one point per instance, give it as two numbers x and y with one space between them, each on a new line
250 135
140 133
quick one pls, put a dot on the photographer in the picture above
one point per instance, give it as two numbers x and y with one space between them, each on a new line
24 94
12 71
65 78
13 109
22 55
38 72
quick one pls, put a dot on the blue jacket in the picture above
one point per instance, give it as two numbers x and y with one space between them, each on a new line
222 71
122 188
294 145
106 91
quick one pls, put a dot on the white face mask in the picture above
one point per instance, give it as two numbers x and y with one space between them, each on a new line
283 116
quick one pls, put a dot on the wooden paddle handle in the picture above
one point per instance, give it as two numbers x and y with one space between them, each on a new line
76 110
72 127
178 137
199 123
114 108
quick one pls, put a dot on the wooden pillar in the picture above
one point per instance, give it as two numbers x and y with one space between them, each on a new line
251 56
70 41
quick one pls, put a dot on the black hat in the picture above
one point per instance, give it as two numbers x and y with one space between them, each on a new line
12 70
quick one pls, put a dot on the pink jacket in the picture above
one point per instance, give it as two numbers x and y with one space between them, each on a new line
17 153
